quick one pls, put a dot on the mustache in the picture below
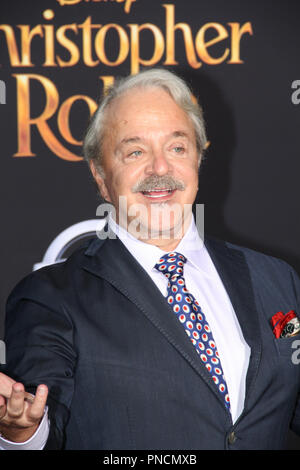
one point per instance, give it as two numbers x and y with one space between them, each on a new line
158 182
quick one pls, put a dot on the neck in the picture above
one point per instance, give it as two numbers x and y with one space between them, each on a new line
166 240
165 245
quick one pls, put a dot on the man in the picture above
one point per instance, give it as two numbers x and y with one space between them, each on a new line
148 338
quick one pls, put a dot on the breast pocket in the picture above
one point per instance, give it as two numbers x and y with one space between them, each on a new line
289 347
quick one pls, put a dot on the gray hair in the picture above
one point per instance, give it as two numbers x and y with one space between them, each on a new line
153 78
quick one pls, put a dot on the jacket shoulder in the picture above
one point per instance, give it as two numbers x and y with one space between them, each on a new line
54 280
257 260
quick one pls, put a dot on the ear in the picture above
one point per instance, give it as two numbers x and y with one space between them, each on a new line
100 182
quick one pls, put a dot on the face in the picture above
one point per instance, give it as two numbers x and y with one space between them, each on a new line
149 158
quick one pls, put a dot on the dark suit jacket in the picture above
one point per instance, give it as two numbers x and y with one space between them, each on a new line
121 370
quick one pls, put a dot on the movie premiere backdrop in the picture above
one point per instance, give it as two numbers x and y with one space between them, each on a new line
58 56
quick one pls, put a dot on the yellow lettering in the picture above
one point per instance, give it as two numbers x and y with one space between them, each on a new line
49 46
68 2
108 81
236 34
128 4
63 120
86 27
11 45
69 45
100 44
25 121
26 38
170 39
159 45
202 45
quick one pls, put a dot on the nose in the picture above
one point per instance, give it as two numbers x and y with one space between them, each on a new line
158 165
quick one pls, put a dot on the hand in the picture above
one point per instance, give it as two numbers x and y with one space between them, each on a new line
20 412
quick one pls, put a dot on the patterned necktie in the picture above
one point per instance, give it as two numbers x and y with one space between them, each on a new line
190 315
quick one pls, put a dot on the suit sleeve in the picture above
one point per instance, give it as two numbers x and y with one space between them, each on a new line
39 348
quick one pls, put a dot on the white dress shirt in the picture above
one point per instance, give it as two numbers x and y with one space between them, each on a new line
203 281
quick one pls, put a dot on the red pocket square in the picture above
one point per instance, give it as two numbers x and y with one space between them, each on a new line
285 325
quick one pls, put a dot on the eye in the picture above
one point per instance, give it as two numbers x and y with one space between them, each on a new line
136 153
178 149
133 155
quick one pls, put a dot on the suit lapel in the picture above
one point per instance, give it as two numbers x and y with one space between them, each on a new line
116 265
234 273
109 259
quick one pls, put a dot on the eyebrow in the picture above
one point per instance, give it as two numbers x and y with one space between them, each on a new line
131 140
179 134
135 139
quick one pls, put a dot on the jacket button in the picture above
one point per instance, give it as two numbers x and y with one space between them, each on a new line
231 438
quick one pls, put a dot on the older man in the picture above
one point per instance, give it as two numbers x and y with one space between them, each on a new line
147 338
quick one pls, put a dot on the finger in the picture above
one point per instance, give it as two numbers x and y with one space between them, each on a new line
2 407
15 404
6 384
29 397
37 408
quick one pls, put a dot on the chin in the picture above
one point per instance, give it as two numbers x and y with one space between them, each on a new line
163 229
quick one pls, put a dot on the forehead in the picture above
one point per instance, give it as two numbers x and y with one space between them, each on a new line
144 111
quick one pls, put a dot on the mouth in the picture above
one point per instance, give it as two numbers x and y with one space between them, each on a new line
160 194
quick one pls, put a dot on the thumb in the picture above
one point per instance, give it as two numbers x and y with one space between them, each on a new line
2 407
